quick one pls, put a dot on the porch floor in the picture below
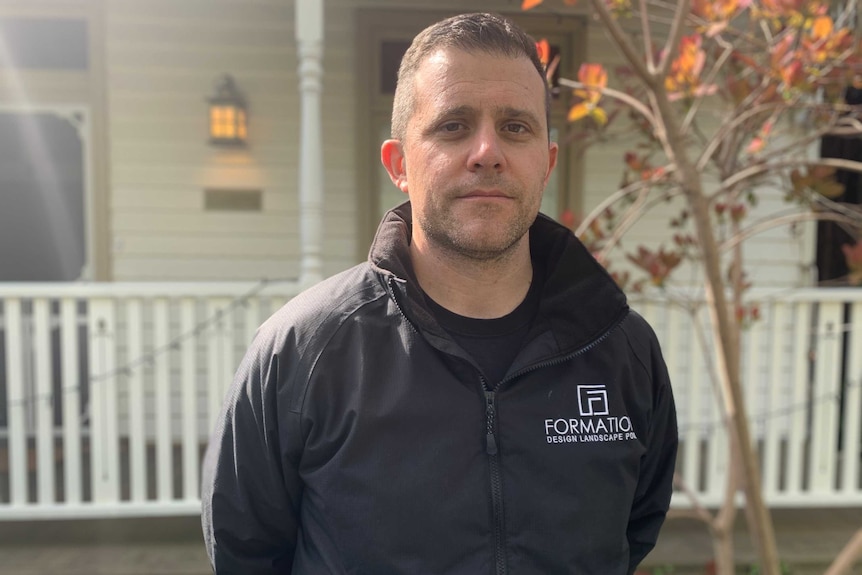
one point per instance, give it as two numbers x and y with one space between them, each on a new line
808 540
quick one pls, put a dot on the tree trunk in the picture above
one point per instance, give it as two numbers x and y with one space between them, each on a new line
726 333
668 130
722 549
847 557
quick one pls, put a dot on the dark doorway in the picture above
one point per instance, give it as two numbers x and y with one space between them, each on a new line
831 265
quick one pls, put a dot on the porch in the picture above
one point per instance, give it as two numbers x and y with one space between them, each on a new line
108 393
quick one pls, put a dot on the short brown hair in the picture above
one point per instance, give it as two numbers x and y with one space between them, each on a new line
490 33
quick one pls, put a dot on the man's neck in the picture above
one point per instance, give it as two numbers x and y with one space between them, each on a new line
483 289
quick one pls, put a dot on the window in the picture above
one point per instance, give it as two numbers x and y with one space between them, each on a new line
53 60
42 205
43 44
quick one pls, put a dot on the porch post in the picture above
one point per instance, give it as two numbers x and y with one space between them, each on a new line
309 37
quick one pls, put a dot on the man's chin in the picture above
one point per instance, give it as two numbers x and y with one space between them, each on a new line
485 248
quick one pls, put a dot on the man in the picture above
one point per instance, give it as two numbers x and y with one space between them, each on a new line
477 398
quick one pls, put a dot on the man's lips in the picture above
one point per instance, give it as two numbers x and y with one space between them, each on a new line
490 194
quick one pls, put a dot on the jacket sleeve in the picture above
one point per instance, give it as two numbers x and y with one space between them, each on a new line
251 488
655 483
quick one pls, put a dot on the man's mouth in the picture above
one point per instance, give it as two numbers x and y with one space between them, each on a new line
490 194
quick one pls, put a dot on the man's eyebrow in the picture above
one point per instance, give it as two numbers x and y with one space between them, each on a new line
465 111
453 112
518 114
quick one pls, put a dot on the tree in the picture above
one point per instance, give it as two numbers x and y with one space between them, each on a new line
717 91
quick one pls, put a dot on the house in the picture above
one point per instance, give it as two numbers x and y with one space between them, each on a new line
137 257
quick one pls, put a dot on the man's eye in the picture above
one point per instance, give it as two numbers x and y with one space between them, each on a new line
516 128
451 126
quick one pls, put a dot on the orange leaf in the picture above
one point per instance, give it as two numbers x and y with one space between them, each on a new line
544 50
578 111
593 75
756 145
530 4
793 74
567 218
821 28
684 74
786 8
716 11
823 42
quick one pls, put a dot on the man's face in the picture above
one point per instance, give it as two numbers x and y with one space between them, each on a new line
475 158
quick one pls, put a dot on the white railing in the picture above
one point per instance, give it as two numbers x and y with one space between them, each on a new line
108 393
802 378
110 390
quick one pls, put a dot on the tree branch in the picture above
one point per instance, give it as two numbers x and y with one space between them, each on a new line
622 40
647 32
627 99
632 215
682 10
797 143
728 50
847 557
754 171
698 511
728 127
774 222
634 187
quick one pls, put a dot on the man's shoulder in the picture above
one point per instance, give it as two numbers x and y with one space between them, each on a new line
324 305
641 336
638 327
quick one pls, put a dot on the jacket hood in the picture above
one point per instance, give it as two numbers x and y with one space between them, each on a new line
579 303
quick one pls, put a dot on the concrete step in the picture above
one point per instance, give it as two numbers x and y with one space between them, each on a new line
152 546
808 540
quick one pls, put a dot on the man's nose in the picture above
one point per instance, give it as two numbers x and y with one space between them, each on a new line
486 151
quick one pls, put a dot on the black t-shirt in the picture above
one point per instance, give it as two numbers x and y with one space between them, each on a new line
493 343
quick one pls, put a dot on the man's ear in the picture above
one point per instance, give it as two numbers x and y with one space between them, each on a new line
553 151
392 156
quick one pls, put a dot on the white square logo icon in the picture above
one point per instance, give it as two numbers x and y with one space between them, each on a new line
592 400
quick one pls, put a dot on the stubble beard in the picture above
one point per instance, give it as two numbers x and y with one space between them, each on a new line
443 231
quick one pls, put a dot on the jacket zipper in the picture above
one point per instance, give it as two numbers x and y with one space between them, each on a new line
391 288
492 449
493 456
496 480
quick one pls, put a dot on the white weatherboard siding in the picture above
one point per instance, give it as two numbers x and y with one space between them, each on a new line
163 58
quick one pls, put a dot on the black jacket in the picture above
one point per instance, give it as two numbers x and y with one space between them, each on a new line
359 438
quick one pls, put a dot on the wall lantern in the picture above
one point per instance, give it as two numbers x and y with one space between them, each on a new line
228 114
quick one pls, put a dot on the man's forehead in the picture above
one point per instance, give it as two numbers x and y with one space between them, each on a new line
453 73
450 66
450 55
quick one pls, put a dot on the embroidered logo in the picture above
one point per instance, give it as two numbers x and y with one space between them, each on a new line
592 400
595 424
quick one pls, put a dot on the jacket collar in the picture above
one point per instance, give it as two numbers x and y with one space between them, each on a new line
579 302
